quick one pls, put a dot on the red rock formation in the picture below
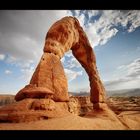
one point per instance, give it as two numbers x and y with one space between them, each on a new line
64 35
67 34
80 105
28 110
49 80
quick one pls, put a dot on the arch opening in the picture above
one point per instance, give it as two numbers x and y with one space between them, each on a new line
49 76
78 82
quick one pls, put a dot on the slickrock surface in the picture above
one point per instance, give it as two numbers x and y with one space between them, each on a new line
45 114
32 110
102 121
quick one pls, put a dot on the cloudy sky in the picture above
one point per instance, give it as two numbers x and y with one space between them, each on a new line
113 34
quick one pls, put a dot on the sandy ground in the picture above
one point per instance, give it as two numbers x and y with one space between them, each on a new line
130 120
127 117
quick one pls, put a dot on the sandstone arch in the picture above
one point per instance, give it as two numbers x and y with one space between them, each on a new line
49 80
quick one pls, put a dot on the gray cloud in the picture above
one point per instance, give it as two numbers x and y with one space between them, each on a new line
130 79
31 23
105 25
71 75
2 56
72 63
116 84
22 32
8 72
22 36
133 69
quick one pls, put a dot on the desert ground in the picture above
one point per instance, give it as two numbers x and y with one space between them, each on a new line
126 117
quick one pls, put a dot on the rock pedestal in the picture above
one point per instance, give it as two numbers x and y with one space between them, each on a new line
30 109
48 81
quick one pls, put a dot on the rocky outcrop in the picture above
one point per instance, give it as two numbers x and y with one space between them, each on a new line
47 93
37 109
79 105
67 34
28 110
48 81
49 75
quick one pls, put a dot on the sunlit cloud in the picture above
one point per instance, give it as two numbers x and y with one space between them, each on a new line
8 72
71 75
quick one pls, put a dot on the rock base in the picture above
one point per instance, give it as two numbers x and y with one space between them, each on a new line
32 110
100 106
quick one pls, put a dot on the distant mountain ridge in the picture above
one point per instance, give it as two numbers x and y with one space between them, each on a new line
84 93
123 92
6 99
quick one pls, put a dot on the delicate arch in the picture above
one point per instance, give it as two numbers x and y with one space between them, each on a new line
70 35
64 35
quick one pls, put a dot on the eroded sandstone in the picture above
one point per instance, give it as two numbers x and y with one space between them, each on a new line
48 81
64 35
28 110
46 95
